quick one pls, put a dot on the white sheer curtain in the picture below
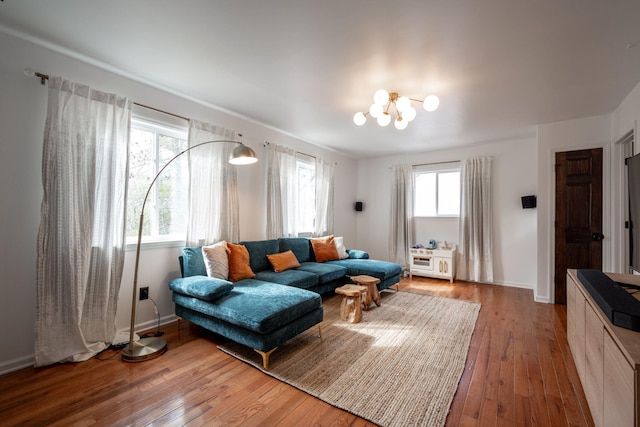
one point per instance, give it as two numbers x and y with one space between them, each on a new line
213 188
324 197
80 251
475 251
401 231
282 192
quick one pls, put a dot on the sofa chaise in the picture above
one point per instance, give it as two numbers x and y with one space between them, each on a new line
265 311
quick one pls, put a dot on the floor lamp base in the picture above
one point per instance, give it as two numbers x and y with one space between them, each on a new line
144 349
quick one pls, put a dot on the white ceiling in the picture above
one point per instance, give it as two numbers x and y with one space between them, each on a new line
500 67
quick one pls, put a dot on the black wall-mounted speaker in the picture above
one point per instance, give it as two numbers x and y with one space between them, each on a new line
359 206
528 202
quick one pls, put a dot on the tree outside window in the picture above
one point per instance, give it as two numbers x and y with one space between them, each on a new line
306 206
151 147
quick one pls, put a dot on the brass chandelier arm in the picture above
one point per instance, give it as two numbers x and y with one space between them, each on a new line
397 111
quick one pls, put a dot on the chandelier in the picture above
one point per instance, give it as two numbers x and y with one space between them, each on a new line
384 103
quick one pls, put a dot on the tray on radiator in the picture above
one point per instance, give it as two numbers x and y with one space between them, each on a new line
620 302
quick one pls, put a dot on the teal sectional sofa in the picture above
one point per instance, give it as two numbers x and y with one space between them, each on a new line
271 308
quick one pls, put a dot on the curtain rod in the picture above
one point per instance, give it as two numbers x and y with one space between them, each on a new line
44 77
431 164
267 143
434 163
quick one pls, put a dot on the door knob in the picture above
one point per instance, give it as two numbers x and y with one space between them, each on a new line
596 237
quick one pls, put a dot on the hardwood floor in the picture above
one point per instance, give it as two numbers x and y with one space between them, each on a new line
519 372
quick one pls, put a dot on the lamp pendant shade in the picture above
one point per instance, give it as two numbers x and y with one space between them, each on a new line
359 119
431 103
400 123
242 155
403 103
376 110
409 114
384 119
381 97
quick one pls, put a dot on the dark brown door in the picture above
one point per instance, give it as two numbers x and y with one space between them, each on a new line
578 221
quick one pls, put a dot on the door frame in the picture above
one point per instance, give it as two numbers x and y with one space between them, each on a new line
620 149
606 211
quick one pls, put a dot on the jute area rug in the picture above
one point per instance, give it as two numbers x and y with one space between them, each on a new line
400 366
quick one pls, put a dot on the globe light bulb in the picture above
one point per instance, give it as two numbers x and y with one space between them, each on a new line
401 123
403 103
381 97
431 103
409 114
384 119
359 118
375 110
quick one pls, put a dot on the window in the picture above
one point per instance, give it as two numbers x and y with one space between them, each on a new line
306 206
437 191
152 145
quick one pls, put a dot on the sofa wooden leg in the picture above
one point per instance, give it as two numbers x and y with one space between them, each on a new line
320 330
179 321
265 357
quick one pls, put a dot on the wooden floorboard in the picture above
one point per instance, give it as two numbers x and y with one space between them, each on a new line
519 372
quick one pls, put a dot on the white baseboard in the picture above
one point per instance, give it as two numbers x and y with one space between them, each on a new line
544 300
17 364
536 298
29 360
513 285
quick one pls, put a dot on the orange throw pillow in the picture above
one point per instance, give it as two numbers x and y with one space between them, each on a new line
324 248
283 261
239 267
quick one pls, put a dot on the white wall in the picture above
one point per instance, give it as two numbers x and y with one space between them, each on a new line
623 120
438 229
22 115
514 175
569 135
591 132
626 117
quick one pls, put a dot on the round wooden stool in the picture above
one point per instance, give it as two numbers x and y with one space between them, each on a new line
372 289
351 307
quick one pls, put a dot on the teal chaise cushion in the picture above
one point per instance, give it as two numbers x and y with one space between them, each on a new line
201 287
256 305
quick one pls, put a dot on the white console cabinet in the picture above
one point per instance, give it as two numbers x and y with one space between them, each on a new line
439 263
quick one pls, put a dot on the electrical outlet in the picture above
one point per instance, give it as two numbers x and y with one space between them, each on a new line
144 293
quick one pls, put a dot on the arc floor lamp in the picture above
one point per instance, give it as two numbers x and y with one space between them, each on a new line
148 348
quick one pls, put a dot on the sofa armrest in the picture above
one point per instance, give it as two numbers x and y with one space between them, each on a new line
201 287
357 254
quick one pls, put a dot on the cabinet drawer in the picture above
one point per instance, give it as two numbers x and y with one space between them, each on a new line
593 367
618 386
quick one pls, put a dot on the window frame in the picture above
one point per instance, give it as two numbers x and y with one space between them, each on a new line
304 161
174 130
437 168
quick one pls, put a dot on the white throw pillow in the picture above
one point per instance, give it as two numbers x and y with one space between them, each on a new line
342 251
216 260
